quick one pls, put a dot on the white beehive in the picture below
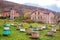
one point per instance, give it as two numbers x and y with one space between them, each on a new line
6 28
43 27
53 29
22 29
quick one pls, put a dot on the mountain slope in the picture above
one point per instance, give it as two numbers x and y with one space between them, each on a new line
21 9
51 7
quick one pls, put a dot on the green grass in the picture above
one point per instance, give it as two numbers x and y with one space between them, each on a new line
17 35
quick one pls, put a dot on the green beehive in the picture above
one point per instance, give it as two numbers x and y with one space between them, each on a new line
6 25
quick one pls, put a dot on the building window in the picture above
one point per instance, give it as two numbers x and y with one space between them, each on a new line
40 17
34 18
35 13
46 13
38 13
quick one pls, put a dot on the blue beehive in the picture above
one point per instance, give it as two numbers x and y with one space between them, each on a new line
35 29
6 29
6 32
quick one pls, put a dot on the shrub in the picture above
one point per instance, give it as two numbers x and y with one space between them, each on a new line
20 18
40 22
30 21
2 17
49 25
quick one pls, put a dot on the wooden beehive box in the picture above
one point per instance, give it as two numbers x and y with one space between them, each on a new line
35 34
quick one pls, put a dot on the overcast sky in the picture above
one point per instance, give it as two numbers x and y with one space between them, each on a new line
39 2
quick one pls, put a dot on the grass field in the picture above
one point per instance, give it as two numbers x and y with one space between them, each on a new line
17 35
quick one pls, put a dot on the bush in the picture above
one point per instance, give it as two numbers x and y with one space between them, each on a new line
49 25
29 21
40 22
2 17
19 18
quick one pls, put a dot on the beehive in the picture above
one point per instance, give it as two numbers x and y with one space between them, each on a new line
35 34
29 31
22 29
50 33
6 29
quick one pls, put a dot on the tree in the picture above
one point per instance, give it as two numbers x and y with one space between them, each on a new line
27 15
55 18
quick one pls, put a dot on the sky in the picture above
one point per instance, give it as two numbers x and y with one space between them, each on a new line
43 3
58 3
39 2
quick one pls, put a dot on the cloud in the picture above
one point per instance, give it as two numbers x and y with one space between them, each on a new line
58 3
46 2
39 2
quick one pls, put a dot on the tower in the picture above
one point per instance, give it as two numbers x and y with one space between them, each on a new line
12 14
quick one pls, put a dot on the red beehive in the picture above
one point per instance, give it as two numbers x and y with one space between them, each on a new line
50 33
40 28
35 34
18 27
58 28
29 31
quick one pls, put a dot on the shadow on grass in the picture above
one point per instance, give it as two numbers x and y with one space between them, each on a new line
4 35
34 38
28 34
0 35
